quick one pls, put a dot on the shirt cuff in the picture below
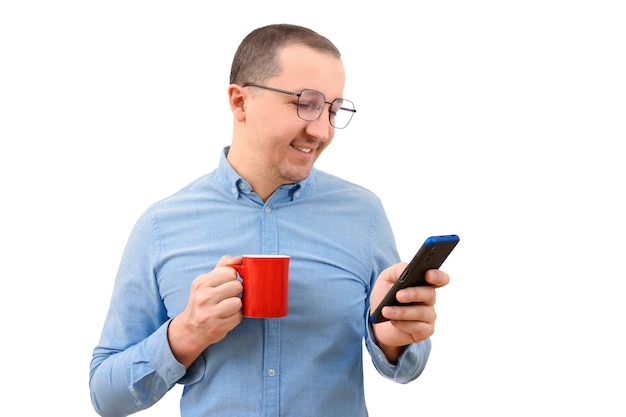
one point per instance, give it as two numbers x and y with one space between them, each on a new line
165 363
411 362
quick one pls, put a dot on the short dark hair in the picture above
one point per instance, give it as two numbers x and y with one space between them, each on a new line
256 57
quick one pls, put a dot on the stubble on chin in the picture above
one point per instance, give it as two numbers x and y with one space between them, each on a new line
293 174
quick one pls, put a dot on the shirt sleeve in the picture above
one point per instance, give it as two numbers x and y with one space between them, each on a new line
133 366
411 362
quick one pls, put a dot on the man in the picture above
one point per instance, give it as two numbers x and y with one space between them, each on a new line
175 315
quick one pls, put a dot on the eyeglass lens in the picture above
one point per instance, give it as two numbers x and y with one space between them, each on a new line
311 105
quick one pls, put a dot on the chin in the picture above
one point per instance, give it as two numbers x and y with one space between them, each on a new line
297 175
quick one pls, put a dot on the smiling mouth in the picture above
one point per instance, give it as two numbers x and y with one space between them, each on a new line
305 150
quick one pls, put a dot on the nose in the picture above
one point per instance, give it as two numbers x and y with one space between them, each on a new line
320 128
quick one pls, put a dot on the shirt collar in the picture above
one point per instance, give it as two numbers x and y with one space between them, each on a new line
237 186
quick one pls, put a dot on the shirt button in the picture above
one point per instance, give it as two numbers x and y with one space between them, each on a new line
233 190
267 209
271 372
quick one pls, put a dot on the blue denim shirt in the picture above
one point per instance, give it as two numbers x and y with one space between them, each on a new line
306 364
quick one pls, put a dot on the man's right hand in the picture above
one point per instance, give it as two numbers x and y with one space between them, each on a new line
213 310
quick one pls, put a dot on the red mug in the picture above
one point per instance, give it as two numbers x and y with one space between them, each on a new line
265 280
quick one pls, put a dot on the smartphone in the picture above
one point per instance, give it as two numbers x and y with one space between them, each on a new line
431 255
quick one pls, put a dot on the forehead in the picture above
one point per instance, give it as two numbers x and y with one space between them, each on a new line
304 67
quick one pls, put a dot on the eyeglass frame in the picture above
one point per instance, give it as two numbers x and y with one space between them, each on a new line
299 94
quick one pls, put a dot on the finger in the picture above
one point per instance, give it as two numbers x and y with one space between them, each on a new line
229 307
229 289
416 330
215 278
414 312
421 294
228 260
437 278
392 273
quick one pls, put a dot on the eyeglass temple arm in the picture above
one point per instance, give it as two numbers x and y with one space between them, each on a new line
278 90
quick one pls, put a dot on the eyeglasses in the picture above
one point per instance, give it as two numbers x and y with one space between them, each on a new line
311 105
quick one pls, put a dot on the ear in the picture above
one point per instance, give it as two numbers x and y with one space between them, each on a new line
237 96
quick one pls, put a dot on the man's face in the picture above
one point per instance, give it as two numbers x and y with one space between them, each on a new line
283 146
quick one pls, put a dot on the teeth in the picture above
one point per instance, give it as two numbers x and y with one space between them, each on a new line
306 150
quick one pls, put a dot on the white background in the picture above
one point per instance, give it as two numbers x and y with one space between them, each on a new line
500 121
